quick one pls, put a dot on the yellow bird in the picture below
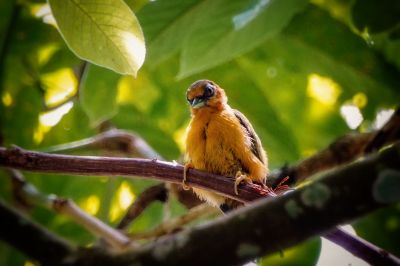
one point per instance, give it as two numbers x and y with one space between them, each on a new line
221 140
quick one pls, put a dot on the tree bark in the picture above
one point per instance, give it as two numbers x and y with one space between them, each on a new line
270 224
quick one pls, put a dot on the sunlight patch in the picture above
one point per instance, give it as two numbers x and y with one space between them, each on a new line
91 205
244 18
180 137
7 99
382 117
136 48
49 119
59 85
323 89
352 115
43 11
124 198
360 100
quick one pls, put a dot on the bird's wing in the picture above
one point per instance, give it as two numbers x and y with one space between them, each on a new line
256 146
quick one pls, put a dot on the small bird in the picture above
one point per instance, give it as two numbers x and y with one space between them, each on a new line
221 140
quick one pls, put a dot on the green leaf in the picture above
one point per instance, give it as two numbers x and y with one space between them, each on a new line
98 94
333 50
238 28
382 228
375 15
304 254
130 118
104 32
73 126
165 25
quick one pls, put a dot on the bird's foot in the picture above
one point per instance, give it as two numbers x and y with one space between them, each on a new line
281 188
239 178
185 169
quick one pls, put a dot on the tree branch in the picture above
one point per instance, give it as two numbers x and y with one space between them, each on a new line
343 150
338 197
129 167
32 239
154 193
273 224
361 248
112 140
27 194
176 224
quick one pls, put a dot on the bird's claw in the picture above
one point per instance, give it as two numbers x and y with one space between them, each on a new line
185 169
239 178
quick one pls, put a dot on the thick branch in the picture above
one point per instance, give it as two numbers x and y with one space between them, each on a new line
111 166
273 224
339 197
27 194
32 239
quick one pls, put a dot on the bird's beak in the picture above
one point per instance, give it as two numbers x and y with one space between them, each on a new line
198 102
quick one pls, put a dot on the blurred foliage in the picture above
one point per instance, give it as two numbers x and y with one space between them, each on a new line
290 66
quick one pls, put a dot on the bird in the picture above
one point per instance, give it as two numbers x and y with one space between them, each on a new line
221 140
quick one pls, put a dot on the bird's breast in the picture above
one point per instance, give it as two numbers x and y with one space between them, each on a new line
211 145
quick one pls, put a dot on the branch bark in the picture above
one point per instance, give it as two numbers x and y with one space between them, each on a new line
337 197
32 239
273 224
27 194
129 167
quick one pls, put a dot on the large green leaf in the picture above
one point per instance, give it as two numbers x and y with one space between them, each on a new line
333 50
376 15
98 94
165 25
283 65
131 119
233 28
104 32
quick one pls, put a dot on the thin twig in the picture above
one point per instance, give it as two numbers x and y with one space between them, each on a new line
171 226
116 140
30 195
343 150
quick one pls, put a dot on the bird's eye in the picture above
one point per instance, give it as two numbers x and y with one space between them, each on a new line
190 100
208 91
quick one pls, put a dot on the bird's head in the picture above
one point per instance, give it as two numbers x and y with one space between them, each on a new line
206 94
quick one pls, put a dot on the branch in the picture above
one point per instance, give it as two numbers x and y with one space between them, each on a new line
154 193
112 140
129 167
273 224
361 248
287 220
32 239
27 194
343 150
172 226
